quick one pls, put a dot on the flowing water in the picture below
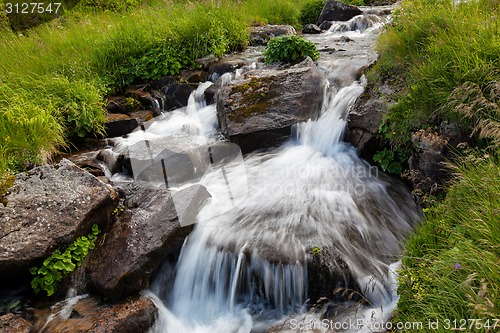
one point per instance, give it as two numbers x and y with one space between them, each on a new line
247 265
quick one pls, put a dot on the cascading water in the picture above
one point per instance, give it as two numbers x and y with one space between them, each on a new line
247 263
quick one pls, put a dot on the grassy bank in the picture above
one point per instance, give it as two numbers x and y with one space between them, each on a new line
55 77
450 269
444 60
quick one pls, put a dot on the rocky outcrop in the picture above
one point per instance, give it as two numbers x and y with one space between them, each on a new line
426 169
145 233
118 124
262 35
311 29
259 110
364 120
135 315
337 11
11 323
48 208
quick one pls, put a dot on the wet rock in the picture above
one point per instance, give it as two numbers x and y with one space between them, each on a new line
325 25
258 111
142 116
193 76
118 124
337 11
11 323
345 39
262 35
364 120
331 279
311 29
146 99
177 95
210 94
144 234
135 315
220 68
87 161
48 208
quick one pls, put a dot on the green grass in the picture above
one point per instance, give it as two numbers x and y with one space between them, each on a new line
450 266
434 49
55 77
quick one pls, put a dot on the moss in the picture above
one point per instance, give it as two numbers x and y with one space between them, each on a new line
256 98
5 185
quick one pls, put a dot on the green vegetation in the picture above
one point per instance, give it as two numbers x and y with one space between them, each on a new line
450 269
55 77
438 51
56 267
444 60
289 49
310 11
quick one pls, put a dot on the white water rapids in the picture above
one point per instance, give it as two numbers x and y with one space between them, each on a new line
246 266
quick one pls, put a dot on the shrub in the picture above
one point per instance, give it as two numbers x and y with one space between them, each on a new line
310 11
289 49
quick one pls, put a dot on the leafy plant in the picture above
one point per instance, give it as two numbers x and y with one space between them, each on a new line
289 49
56 267
389 161
315 250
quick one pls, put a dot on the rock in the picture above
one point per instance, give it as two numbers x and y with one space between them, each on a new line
337 11
210 94
262 35
142 116
135 315
11 323
87 161
220 68
118 104
177 95
118 124
48 208
345 39
325 25
193 76
207 61
144 234
258 111
146 99
364 120
326 276
311 29
426 169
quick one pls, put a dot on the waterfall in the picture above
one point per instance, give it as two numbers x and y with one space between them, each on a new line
247 264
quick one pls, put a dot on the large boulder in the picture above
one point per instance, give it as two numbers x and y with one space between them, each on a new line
259 110
48 208
147 232
135 315
337 11
262 35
